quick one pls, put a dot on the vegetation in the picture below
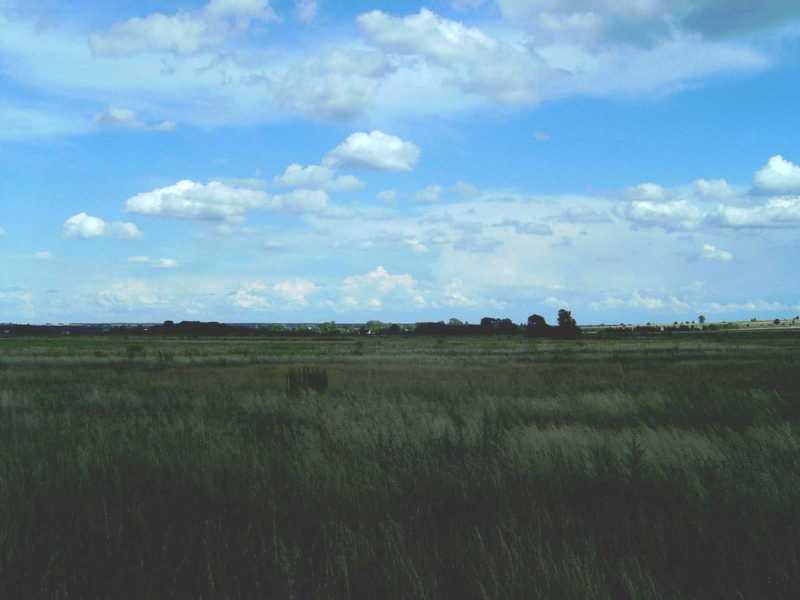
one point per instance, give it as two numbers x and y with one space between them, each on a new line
423 467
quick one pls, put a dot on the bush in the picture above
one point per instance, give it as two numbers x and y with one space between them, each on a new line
306 378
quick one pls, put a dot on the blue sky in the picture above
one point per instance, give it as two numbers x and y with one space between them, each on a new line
246 160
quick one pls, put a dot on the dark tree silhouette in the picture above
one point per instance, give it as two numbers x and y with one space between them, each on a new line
565 320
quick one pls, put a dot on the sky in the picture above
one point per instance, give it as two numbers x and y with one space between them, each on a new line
298 161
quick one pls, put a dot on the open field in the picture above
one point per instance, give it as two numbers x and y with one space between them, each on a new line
483 467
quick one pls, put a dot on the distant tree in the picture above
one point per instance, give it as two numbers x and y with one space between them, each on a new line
328 327
537 324
701 319
455 323
776 322
565 319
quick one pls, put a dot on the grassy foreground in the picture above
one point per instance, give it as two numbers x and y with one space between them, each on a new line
453 468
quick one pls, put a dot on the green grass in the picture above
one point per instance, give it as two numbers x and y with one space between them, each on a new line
469 468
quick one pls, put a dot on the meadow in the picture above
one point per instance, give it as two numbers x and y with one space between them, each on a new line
401 467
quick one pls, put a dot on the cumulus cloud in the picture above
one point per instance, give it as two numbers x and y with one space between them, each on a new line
674 215
372 289
155 263
374 150
295 291
339 84
778 176
780 212
712 253
129 295
183 32
478 63
258 295
299 201
217 201
84 227
714 189
317 177
187 199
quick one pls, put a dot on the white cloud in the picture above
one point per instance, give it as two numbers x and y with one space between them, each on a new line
646 192
251 296
295 291
375 150
675 215
712 253
317 177
128 295
642 301
430 194
187 199
778 176
306 10
503 70
337 84
714 189
43 255
416 245
521 228
155 263
84 227
183 32
388 196
372 289
217 201
777 212
124 118
291 293
300 201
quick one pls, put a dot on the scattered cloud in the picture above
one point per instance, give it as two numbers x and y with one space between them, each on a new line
123 118
778 176
306 11
375 150
84 227
295 291
777 212
129 295
155 263
430 195
671 216
521 228
317 177
185 32
288 294
372 289
712 253
388 196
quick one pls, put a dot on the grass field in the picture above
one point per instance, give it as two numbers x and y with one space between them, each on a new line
496 467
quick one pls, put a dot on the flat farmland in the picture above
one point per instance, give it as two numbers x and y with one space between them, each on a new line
400 467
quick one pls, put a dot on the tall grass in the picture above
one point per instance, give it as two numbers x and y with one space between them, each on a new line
559 480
